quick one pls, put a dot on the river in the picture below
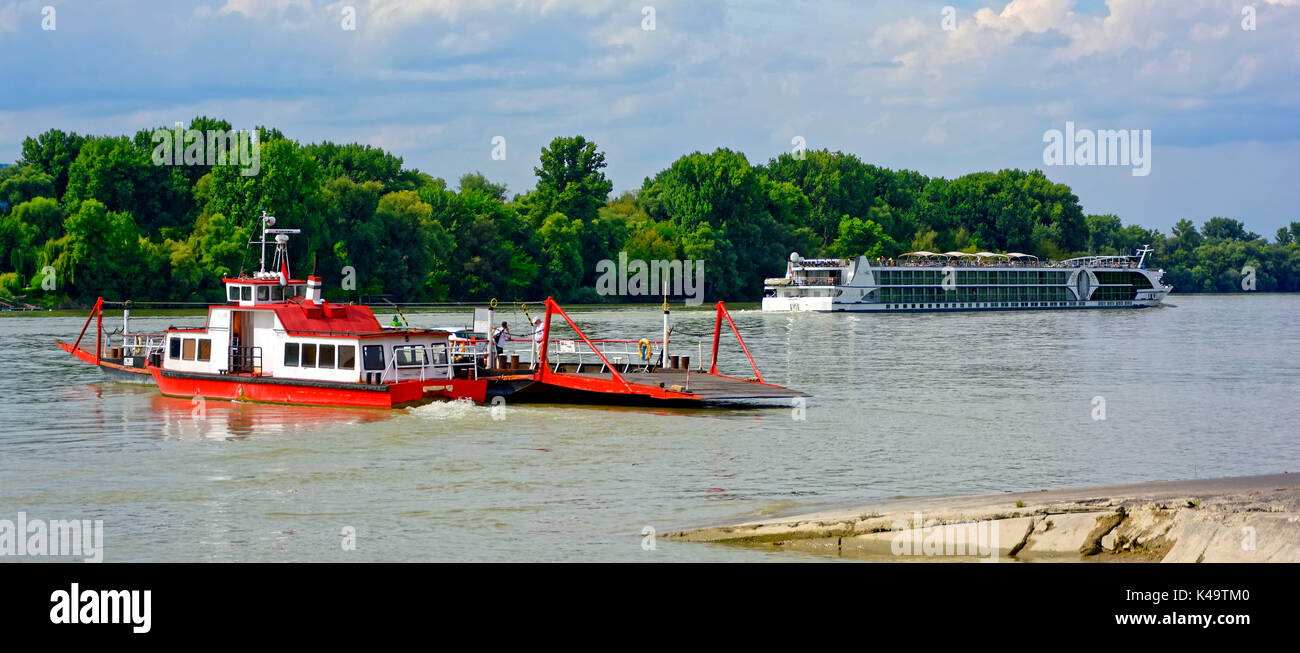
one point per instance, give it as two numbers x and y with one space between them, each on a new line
903 405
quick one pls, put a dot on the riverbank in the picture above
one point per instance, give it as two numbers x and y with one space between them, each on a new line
1240 519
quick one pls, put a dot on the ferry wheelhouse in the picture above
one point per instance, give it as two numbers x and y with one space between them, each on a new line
276 339
959 281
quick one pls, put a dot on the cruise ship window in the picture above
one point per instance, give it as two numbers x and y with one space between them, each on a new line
205 349
291 354
263 293
246 293
187 350
232 293
174 348
308 355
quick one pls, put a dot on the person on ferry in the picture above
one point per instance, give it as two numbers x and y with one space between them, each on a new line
538 335
500 337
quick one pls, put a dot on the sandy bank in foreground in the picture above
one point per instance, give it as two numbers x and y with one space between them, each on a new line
1242 519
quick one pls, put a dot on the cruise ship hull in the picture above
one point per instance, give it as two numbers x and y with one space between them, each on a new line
863 286
827 305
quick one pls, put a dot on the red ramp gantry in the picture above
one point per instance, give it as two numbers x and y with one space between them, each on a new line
651 383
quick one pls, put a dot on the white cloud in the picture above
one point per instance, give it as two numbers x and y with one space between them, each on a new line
434 80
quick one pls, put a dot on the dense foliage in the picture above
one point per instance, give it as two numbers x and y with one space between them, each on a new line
87 216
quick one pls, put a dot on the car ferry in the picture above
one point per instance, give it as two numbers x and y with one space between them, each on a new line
959 281
277 340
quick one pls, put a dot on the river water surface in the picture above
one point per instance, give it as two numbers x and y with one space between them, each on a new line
903 405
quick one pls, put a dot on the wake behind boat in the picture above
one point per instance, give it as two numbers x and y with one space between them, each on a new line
277 340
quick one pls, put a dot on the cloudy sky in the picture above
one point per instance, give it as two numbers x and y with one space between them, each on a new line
945 87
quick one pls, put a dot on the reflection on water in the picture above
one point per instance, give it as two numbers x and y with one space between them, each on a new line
914 405
199 419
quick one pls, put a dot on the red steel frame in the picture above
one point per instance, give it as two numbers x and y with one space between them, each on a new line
717 333
619 384
97 311
544 373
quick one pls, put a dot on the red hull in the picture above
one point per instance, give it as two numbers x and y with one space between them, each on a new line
286 391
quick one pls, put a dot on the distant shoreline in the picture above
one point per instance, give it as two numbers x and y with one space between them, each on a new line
675 307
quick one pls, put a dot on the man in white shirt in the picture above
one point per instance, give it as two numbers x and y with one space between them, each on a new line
538 336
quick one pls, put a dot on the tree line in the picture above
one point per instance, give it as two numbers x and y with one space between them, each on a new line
88 216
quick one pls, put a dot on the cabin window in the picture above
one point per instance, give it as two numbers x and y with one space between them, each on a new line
347 357
246 293
439 354
325 358
409 356
205 349
276 294
187 350
291 354
263 293
232 292
308 355
174 348
372 356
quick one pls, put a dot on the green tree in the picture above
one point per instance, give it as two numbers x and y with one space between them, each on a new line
53 153
21 183
562 264
476 182
100 254
1227 229
863 238
570 180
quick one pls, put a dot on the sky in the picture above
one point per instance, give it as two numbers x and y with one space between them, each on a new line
944 88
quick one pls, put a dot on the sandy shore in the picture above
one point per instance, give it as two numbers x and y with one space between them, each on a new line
1242 519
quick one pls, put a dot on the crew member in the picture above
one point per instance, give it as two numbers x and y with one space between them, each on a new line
538 335
500 337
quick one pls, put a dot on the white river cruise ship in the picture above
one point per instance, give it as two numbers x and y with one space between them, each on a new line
958 281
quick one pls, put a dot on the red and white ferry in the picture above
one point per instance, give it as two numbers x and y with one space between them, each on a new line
277 340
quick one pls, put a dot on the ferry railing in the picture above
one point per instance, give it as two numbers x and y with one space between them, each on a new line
621 354
428 364
141 344
245 359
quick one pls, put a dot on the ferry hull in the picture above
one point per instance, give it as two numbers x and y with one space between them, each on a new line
315 393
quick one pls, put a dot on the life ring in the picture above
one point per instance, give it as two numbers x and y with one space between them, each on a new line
643 349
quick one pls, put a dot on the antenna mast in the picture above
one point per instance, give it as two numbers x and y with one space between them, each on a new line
281 242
